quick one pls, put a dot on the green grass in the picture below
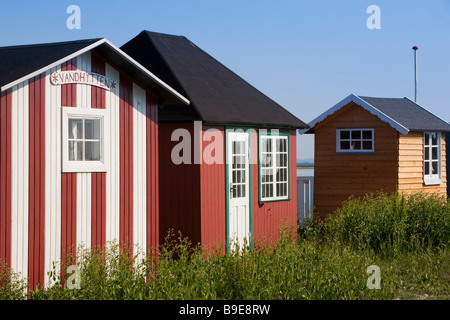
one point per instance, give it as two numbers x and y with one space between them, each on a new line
408 238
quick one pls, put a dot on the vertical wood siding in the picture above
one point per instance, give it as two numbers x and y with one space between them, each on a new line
126 161
5 176
212 192
84 179
68 181
113 195
179 189
269 217
37 187
52 180
44 212
98 210
152 171
139 138
19 185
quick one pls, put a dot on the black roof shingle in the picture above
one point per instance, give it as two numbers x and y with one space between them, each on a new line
217 95
19 61
408 113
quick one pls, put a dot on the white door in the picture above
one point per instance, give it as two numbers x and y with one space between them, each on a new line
239 189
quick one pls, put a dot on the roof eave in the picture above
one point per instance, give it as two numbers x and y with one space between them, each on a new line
359 101
103 41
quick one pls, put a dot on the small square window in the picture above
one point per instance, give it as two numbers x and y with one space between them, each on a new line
355 140
84 135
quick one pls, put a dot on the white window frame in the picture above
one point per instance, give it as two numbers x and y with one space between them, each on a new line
432 179
338 140
85 166
274 168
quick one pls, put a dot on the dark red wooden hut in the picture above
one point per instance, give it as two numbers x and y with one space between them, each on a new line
227 162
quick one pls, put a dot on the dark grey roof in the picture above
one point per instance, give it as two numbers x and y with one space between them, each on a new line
217 94
19 61
408 114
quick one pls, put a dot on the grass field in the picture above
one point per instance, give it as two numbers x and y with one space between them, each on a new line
407 239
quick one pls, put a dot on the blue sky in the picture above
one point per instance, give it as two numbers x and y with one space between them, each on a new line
305 55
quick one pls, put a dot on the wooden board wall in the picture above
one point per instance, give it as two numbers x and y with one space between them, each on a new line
338 176
410 166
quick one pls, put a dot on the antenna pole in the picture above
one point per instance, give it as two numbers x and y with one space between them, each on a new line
415 48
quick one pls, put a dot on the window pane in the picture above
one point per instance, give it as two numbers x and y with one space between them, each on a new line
266 145
356 145
345 145
367 145
234 160
427 153
92 129
266 160
263 145
427 168
367 134
427 139
356 134
75 150
345 134
435 167
75 129
434 138
92 151
434 153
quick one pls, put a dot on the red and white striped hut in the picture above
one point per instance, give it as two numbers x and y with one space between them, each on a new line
78 152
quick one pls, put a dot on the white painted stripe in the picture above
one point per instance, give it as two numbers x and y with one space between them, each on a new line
84 184
112 101
52 174
139 168
84 218
20 178
83 90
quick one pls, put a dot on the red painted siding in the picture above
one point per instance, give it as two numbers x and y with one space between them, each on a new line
68 180
69 91
37 181
68 215
179 189
213 206
126 161
98 198
152 172
268 217
5 176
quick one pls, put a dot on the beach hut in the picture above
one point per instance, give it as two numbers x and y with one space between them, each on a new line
78 152
228 160
367 145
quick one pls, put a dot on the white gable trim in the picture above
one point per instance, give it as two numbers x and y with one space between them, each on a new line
88 48
354 98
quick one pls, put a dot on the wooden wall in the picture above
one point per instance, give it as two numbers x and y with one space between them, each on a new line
410 166
212 193
179 189
44 212
269 217
338 176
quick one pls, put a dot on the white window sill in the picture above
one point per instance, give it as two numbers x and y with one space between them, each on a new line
432 181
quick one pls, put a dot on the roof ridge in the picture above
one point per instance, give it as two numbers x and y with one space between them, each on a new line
25 46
